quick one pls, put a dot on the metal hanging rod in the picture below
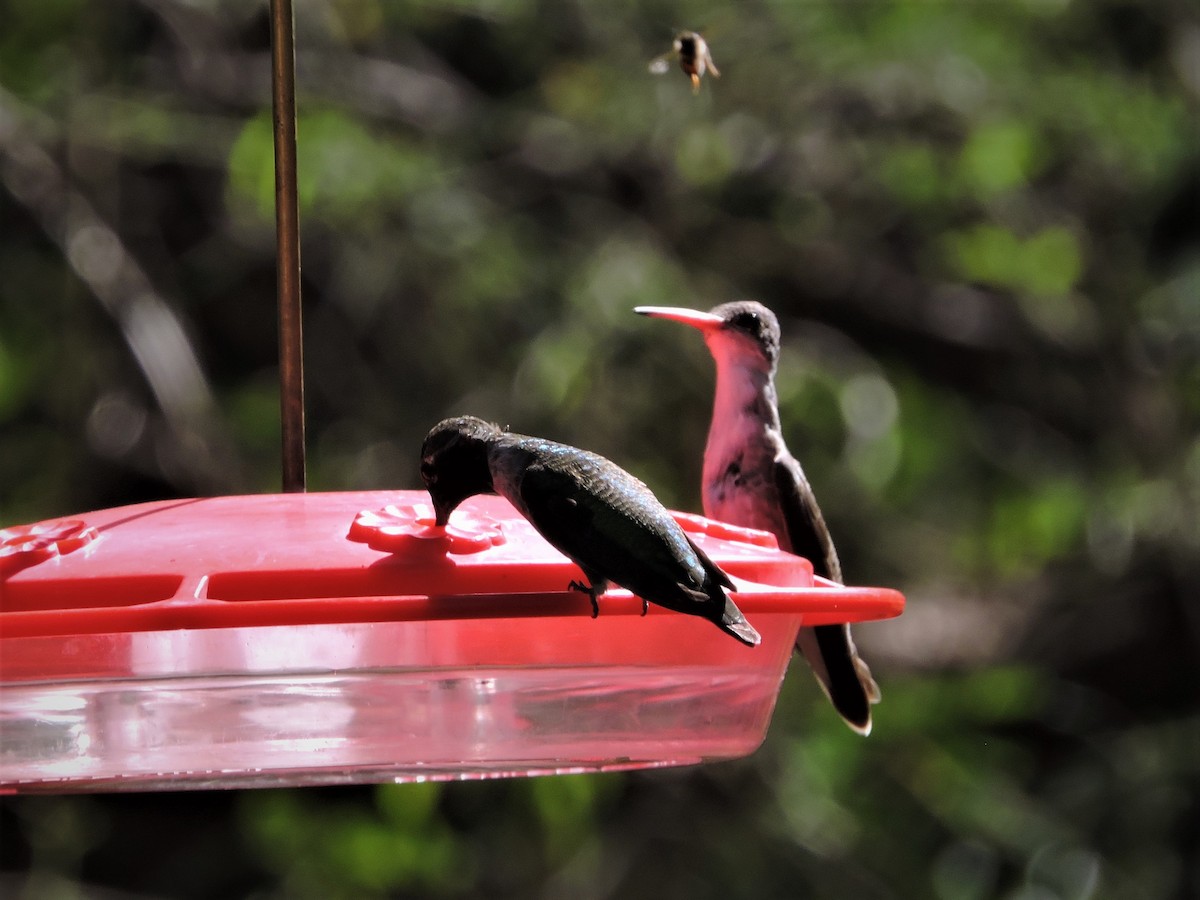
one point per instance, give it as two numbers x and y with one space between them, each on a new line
287 235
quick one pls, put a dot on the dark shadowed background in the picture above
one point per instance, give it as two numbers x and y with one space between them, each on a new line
978 224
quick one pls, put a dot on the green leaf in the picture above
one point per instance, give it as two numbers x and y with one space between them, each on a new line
997 157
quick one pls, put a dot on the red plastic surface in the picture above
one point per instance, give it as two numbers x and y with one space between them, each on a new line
317 638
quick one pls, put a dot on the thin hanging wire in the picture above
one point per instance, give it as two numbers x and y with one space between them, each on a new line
287 235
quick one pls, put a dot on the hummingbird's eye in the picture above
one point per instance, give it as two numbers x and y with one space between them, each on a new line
746 321
428 471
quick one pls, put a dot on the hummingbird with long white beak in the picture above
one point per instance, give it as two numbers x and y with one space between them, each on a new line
602 518
751 480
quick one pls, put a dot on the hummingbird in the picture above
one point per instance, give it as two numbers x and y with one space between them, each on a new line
598 515
751 480
694 58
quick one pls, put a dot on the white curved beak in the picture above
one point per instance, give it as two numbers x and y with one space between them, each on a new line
703 320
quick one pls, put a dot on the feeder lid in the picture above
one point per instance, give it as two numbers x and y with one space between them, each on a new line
339 637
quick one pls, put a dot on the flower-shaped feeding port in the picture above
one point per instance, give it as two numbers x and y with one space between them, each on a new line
699 525
26 545
410 528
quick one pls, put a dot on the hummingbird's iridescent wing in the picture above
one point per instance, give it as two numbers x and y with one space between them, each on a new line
806 529
829 649
611 525
615 529
661 65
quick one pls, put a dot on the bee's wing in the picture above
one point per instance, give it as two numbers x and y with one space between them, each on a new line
660 65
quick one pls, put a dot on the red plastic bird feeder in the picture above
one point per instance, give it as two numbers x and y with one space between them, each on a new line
333 638
292 639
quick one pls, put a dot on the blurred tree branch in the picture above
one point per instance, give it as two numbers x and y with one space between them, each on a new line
151 328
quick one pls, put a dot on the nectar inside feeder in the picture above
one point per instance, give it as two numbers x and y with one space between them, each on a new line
325 638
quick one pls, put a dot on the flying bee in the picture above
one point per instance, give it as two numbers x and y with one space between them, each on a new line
694 58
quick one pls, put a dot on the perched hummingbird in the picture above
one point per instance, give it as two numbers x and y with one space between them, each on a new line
605 520
751 480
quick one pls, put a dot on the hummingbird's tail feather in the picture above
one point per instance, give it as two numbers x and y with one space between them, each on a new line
841 672
864 676
733 622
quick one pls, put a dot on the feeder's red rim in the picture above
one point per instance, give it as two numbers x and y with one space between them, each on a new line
350 558
820 605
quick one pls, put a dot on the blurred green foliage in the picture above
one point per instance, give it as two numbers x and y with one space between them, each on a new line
977 222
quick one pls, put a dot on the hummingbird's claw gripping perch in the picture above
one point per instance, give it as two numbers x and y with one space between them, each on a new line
590 591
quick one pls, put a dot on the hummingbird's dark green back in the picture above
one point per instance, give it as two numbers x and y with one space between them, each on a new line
613 527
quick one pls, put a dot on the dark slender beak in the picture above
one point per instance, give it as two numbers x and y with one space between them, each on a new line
441 513
704 321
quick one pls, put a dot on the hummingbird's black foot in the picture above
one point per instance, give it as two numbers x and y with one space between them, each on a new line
645 606
590 591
